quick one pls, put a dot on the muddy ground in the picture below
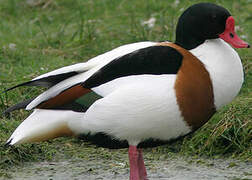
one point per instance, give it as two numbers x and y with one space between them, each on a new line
175 168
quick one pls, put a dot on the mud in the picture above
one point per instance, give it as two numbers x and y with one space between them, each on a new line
168 169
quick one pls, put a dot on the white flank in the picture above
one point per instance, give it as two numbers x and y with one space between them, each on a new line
141 107
46 124
92 66
145 108
225 68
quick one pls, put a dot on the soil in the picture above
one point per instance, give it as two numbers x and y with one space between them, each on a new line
174 168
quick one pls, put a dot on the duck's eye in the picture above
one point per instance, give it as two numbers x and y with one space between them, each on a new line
214 17
231 35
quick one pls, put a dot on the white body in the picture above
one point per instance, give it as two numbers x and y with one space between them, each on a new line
138 107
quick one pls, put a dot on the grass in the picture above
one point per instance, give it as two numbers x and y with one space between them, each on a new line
41 35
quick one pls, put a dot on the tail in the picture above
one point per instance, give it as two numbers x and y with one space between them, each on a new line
45 124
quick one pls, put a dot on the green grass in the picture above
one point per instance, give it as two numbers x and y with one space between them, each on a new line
51 34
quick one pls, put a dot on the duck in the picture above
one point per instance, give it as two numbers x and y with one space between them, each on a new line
146 93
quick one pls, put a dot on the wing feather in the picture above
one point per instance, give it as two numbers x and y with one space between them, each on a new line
153 60
64 78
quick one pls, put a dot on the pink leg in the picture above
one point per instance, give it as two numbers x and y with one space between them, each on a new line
142 169
133 161
137 168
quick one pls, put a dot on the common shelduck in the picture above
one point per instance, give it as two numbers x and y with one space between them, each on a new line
149 93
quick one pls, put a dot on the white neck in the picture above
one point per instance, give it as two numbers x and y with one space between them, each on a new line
225 68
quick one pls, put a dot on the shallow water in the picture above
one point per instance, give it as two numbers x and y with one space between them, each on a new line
171 169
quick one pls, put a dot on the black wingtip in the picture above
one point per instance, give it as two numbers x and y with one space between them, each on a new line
5 91
21 105
7 144
11 88
45 82
6 114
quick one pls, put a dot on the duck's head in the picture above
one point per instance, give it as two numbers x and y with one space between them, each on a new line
206 21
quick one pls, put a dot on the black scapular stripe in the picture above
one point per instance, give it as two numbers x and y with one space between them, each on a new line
154 60
46 81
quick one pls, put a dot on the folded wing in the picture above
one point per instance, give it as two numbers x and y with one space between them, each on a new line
115 67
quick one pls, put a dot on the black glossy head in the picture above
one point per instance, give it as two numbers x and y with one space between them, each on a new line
200 22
